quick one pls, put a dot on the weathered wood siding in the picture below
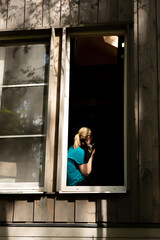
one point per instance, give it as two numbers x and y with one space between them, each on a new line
141 203
32 14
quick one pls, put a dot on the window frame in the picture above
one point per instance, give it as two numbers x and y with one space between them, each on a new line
64 117
30 36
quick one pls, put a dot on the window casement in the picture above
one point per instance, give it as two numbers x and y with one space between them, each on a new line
50 86
94 94
26 73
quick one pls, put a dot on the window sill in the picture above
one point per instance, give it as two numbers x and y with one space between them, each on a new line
19 188
93 189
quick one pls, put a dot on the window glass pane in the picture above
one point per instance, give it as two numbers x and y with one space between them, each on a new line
24 64
22 110
22 160
97 101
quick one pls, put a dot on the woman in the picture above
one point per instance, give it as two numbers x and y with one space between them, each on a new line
78 167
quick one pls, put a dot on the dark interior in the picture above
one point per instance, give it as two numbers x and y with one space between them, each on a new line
97 101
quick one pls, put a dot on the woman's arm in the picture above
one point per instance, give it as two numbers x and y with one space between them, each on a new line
87 167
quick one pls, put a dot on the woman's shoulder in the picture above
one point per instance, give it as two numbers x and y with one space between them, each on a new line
76 152
79 149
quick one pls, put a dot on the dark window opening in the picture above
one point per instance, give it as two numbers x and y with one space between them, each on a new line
97 101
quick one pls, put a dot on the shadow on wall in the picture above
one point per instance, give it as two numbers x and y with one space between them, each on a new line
6 215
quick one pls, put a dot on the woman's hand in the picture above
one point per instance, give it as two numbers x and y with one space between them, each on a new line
93 152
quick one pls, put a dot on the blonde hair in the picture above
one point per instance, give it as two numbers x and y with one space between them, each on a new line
82 134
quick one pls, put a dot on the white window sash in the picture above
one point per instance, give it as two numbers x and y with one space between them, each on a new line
64 119
21 187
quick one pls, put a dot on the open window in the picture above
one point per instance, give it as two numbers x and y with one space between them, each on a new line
93 94
24 79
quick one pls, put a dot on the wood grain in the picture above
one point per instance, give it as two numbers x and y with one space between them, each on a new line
44 210
15 14
23 211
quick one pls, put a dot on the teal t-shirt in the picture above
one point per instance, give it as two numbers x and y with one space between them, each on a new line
76 157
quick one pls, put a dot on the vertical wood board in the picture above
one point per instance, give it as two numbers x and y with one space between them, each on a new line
15 14
64 211
51 13
46 13
74 12
148 115
102 210
6 210
94 11
133 125
85 12
3 14
104 11
44 210
125 10
33 13
65 13
85 211
55 11
23 211
114 11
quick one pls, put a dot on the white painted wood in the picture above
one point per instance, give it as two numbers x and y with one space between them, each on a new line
51 121
63 123
2 57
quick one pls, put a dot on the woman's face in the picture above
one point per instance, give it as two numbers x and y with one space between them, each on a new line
88 140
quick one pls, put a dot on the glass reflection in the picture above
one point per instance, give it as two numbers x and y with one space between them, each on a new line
25 64
22 110
22 160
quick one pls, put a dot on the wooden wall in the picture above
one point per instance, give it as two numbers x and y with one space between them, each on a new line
27 14
141 203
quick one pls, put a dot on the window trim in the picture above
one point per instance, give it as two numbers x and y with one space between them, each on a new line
64 119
